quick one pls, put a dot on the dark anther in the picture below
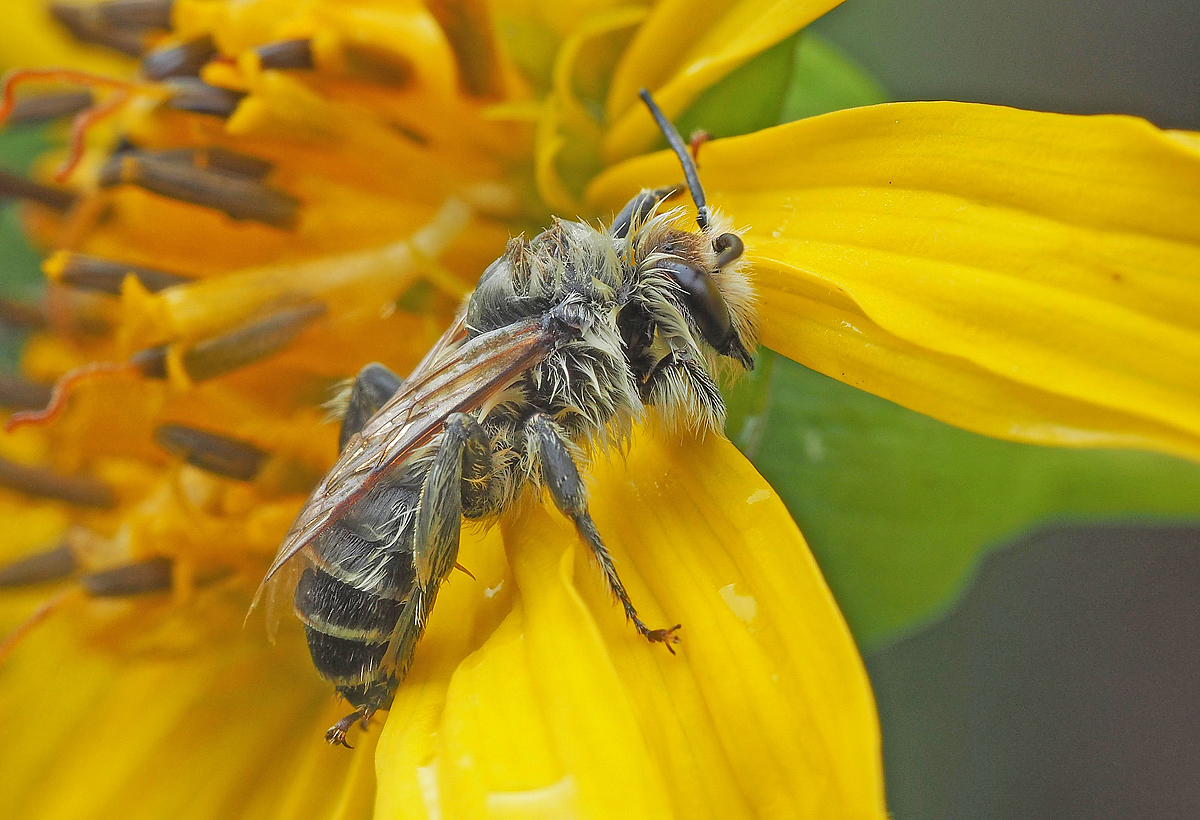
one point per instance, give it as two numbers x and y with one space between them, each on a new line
13 185
42 107
248 343
137 15
151 362
233 194
50 565
213 452
198 97
729 248
18 394
183 60
151 575
79 490
214 158
106 275
87 25
287 54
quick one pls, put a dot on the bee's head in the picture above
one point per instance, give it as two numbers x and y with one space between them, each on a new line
707 268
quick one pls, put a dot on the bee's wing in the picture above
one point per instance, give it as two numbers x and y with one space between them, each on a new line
457 376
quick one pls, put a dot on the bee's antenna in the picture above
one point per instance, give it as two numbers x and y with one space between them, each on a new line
690 173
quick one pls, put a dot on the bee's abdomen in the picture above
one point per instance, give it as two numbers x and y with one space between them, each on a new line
347 628
343 661
342 611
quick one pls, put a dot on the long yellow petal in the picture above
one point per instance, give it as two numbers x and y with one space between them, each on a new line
170 720
564 711
1028 276
687 46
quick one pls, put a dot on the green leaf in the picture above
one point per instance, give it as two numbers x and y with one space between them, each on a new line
824 80
899 508
748 99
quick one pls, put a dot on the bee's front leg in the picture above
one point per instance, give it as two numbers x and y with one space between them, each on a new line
677 372
561 476
638 208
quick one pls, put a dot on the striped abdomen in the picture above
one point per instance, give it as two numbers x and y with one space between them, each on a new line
350 596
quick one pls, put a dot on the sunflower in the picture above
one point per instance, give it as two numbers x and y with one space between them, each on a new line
285 191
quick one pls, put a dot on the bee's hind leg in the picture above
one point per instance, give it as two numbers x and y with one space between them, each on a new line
561 476
336 736
373 386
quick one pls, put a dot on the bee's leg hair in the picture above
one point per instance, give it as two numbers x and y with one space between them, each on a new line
460 466
638 208
561 476
678 364
373 386
463 458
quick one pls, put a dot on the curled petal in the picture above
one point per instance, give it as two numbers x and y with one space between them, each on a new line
1028 276
687 46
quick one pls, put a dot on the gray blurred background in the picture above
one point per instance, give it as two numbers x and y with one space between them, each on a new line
1066 681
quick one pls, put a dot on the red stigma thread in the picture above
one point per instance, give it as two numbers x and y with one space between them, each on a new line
62 391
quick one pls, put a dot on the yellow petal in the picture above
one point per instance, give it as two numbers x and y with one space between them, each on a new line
687 46
564 711
154 725
1024 275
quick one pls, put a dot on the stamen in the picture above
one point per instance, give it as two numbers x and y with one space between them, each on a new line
151 575
215 158
42 107
87 25
234 195
13 79
287 54
78 270
36 569
183 60
18 393
249 343
213 452
62 391
198 97
79 490
15 186
139 15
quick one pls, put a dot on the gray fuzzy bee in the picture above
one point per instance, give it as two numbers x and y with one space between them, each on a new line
566 342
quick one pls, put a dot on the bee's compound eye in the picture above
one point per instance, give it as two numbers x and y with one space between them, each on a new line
729 248
704 300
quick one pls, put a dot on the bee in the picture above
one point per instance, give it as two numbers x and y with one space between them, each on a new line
567 341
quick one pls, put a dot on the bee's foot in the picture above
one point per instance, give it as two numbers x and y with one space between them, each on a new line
666 637
336 736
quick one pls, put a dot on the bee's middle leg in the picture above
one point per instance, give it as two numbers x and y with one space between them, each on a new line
561 476
373 386
456 485
456 480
